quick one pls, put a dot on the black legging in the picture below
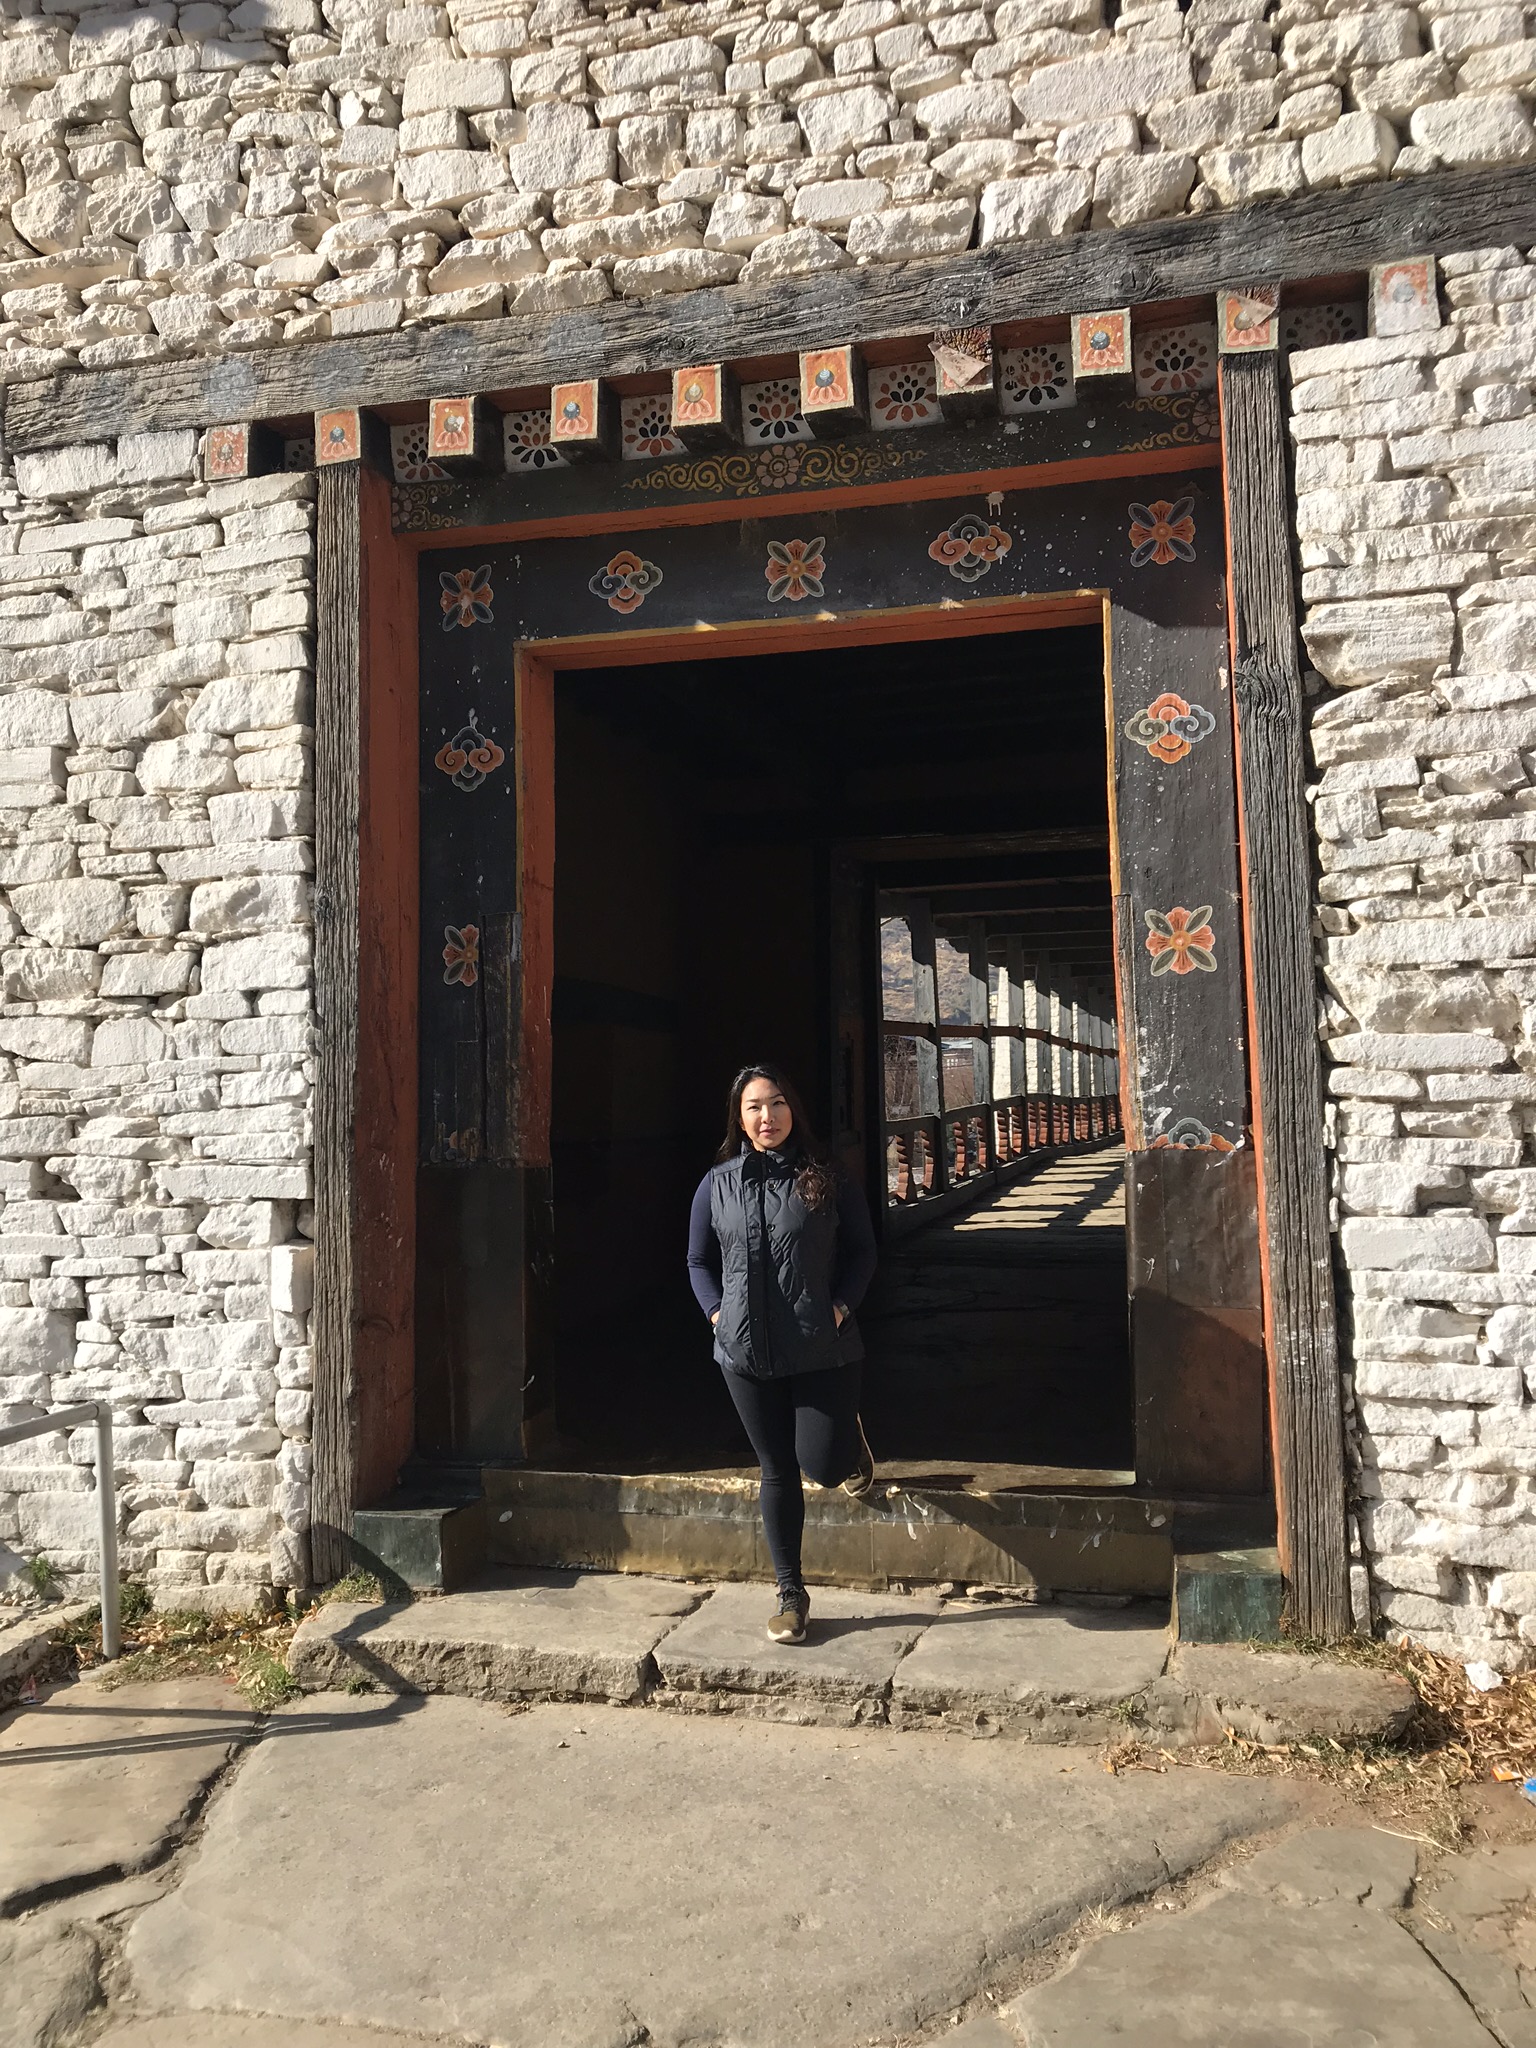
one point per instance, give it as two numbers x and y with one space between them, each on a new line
806 1422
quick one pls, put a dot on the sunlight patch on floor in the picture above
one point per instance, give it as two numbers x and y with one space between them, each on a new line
1082 1193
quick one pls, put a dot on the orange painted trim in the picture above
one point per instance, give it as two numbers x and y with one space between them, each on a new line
646 517
956 619
1256 1120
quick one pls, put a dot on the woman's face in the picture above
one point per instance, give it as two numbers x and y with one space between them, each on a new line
765 1115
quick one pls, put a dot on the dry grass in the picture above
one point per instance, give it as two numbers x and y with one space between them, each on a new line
249 1650
1458 1737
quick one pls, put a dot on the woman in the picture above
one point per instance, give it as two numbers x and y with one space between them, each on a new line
780 1252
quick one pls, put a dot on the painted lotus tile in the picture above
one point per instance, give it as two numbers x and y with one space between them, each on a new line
1101 343
1181 941
299 453
466 597
469 757
1322 326
645 430
409 458
971 547
528 444
573 411
1035 379
1248 321
696 394
338 435
461 954
626 582
1403 296
1162 532
905 395
1169 727
450 427
770 411
795 569
826 379
1190 1135
226 452
1175 359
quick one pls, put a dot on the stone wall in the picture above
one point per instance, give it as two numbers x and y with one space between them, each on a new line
190 179
155 1031
1415 464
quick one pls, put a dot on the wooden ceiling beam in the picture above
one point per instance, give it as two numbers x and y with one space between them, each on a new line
1312 235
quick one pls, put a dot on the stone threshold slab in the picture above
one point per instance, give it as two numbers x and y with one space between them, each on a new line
1036 1672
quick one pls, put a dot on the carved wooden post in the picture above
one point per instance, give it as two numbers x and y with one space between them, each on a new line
1286 1064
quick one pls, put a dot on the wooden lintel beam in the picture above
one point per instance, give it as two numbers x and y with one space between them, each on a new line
1316 235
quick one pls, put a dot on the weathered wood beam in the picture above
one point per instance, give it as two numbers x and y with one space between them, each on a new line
366 954
1316 235
338 783
1286 1064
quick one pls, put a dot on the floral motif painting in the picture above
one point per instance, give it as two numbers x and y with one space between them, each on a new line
1101 343
1181 941
904 395
409 458
1162 532
227 452
466 597
971 547
573 410
696 395
795 569
1175 359
645 428
826 379
338 435
1321 326
461 954
528 444
1190 1135
1037 379
770 411
1170 727
469 757
626 582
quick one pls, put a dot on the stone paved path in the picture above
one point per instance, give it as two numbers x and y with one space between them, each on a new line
385 1871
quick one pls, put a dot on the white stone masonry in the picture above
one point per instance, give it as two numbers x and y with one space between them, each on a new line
181 180
1415 469
155 1027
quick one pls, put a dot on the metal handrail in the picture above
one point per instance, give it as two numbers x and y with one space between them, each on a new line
58 1424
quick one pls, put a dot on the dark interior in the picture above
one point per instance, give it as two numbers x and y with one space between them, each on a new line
724 833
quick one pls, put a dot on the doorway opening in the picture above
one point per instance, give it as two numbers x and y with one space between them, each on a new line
886 869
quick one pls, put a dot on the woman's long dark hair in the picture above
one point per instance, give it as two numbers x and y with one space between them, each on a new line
816 1175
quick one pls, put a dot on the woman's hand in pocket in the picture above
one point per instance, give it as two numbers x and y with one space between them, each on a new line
714 1319
840 1313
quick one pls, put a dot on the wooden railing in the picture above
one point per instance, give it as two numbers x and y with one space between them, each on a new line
926 1154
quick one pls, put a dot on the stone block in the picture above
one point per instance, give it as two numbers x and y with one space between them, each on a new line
195 764
1130 81
279 960
1357 147
72 912
449 177
837 122
1034 209
740 221
35 718
1453 1240
1265 170
36 1340
967 113
1475 129
471 85
249 903
678 270
1360 643
546 1634
1138 188
901 233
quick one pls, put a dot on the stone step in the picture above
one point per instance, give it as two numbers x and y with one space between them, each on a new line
1036 1528
1043 1672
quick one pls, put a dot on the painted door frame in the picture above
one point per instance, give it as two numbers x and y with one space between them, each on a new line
366 964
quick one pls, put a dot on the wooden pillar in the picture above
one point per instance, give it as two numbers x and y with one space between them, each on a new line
1275 829
365 1004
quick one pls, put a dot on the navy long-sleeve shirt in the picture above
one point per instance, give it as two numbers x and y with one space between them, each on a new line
856 1255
